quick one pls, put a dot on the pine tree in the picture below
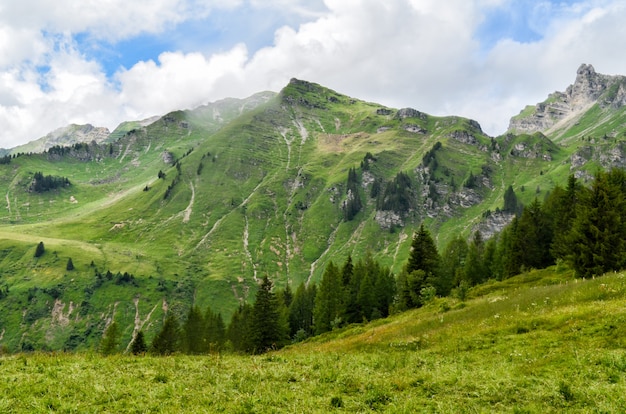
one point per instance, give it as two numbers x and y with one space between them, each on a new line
238 332
424 255
267 330
301 310
214 331
598 234
110 339
40 250
535 235
329 307
139 347
560 207
474 269
511 204
193 332
167 341
452 263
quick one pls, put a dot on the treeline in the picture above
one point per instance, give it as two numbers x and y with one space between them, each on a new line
584 227
42 183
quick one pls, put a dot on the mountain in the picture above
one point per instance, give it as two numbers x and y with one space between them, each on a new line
68 135
198 205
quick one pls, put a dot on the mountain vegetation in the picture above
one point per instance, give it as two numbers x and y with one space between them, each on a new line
271 219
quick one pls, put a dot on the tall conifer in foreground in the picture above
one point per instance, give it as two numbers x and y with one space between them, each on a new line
267 330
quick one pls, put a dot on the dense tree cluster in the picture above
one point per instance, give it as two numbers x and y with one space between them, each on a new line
396 195
582 226
43 183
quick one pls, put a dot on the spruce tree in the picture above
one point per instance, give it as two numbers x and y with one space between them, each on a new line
214 331
40 250
474 269
452 263
139 347
329 307
167 341
193 332
301 310
424 255
238 331
510 201
560 206
110 339
535 235
598 235
267 330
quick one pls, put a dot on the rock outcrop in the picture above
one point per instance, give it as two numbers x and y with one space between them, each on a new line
589 88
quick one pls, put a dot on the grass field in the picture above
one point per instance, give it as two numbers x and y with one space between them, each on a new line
541 342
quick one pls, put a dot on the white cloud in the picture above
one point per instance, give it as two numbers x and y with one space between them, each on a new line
419 53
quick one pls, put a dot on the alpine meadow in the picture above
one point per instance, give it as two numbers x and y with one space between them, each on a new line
307 251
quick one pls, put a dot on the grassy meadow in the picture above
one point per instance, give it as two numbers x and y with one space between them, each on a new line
540 342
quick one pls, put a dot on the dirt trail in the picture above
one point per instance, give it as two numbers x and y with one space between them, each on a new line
246 249
188 210
219 221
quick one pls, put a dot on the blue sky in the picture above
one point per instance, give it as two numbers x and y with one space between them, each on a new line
103 63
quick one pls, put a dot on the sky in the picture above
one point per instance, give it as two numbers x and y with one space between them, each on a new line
107 61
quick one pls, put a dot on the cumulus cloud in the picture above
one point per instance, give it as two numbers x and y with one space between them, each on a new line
421 53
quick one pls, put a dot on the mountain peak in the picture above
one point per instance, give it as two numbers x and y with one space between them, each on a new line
559 108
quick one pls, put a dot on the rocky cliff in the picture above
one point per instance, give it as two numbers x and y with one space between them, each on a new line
590 88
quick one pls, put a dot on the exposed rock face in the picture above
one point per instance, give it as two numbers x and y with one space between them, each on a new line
410 113
590 87
65 136
494 223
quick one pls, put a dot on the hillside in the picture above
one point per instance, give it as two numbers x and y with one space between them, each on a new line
198 205
541 342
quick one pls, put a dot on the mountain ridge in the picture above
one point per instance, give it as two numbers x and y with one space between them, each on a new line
198 205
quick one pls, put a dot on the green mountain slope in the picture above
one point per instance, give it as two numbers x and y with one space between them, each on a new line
542 342
198 205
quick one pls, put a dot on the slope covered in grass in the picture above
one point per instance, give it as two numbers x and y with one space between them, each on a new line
537 343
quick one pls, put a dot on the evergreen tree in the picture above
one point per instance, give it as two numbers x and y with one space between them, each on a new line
266 329
214 331
366 295
511 204
193 333
346 271
139 347
452 264
301 310
167 341
385 291
40 250
534 237
474 270
110 339
598 234
287 295
560 206
70 265
238 332
329 307
509 250
424 255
